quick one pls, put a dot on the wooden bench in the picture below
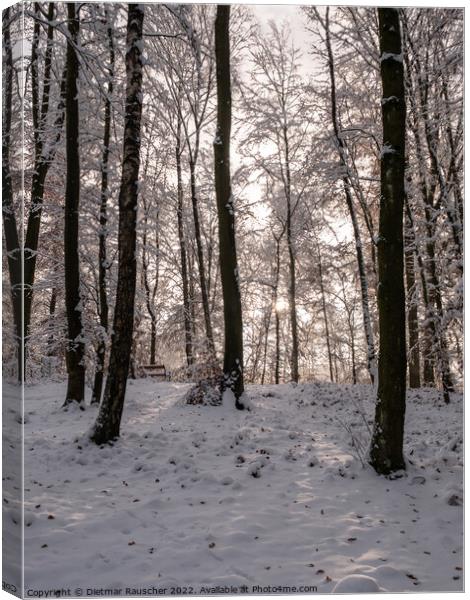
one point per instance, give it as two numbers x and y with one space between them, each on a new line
157 371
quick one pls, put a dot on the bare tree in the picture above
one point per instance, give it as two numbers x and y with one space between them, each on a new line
107 426
347 186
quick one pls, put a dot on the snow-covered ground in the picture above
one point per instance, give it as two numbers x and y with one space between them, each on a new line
200 497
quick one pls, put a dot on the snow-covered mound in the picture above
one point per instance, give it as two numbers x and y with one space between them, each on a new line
356 584
203 497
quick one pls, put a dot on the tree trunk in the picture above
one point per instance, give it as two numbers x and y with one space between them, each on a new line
277 320
292 275
200 260
233 326
353 351
150 292
192 290
73 302
325 315
371 360
102 257
52 308
12 240
427 340
267 324
412 314
188 338
386 452
107 426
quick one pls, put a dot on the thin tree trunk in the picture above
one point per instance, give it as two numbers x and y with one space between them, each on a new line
192 291
353 351
149 293
188 338
75 352
412 313
427 340
267 324
200 260
371 359
325 315
102 256
277 320
233 325
386 453
107 426
292 275
52 309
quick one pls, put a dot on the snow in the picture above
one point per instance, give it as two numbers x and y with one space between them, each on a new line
356 584
387 149
390 55
207 497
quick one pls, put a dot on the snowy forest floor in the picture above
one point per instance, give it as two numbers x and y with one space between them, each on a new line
211 496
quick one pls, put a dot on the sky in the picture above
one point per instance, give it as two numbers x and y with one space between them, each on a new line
288 12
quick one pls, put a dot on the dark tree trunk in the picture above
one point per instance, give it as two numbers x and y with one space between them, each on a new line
188 338
102 257
52 308
386 452
277 358
12 241
108 422
151 291
353 352
233 326
75 345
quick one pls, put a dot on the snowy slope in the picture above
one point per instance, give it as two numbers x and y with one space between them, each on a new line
207 496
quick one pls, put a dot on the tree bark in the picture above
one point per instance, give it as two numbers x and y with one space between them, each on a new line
102 256
52 308
386 453
73 302
107 426
233 326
